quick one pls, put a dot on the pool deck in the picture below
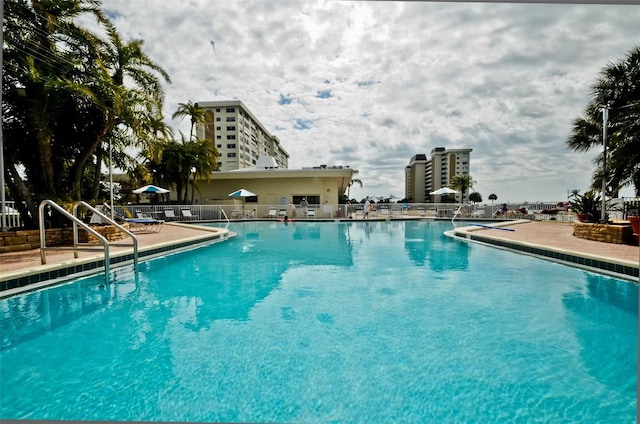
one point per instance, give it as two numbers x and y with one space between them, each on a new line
535 236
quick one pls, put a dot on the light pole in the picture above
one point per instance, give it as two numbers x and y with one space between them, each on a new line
605 117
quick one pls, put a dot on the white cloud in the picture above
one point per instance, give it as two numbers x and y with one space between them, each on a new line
371 84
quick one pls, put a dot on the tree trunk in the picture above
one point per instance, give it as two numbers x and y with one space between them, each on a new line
25 204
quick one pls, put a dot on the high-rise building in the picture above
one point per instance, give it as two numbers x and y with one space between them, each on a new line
239 136
422 175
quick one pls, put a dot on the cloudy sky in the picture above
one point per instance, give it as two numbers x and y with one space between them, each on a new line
370 84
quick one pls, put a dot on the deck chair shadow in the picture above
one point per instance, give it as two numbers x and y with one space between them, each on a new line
186 214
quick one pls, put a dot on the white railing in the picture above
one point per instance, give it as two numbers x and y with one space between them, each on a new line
10 217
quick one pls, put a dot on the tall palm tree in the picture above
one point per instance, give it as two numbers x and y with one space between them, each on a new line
462 183
617 88
193 111
352 182
493 197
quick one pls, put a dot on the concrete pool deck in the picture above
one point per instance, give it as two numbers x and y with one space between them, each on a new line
552 239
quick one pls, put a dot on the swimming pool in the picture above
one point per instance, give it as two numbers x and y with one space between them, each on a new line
327 322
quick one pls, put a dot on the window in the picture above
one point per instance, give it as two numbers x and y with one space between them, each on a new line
231 146
231 155
218 146
218 110
231 119
231 110
217 118
218 128
231 128
218 137
311 199
231 137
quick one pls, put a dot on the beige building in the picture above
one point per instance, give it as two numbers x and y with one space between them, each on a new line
278 188
424 175
239 136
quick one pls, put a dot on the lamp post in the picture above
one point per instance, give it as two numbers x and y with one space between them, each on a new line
605 117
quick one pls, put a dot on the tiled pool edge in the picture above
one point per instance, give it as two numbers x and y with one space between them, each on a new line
620 269
78 268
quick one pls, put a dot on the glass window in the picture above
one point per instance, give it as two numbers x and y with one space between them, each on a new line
231 155
231 137
231 146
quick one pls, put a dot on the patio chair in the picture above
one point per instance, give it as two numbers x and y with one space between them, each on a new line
273 212
282 213
140 214
479 213
169 215
311 213
187 215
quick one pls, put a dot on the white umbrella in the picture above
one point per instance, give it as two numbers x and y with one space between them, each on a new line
151 189
445 190
242 193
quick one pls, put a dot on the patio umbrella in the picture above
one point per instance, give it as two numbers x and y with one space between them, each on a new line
151 189
242 193
445 190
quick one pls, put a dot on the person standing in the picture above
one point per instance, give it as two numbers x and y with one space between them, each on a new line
367 206
304 205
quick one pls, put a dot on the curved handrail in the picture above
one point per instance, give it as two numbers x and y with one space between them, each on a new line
43 236
225 217
110 221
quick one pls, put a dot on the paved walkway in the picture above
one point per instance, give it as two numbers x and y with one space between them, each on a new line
558 235
28 261
542 234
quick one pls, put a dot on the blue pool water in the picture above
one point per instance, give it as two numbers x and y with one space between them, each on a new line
325 322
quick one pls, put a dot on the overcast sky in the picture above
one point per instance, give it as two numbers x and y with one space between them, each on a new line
370 84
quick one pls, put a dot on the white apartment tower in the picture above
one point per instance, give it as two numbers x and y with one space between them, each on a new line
239 137
422 175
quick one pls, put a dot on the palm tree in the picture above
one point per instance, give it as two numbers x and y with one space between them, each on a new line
617 88
352 182
493 197
462 183
475 197
195 112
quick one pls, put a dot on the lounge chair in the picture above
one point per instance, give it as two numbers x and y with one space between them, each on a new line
311 213
479 213
144 225
282 213
140 214
169 215
273 212
186 214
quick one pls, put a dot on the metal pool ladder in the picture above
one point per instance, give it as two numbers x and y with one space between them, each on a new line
81 246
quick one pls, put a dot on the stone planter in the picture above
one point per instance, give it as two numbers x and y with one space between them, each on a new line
635 226
618 234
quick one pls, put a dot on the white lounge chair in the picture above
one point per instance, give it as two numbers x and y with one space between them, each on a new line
479 213
311 213
282 213
273 212
186 214
169 214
